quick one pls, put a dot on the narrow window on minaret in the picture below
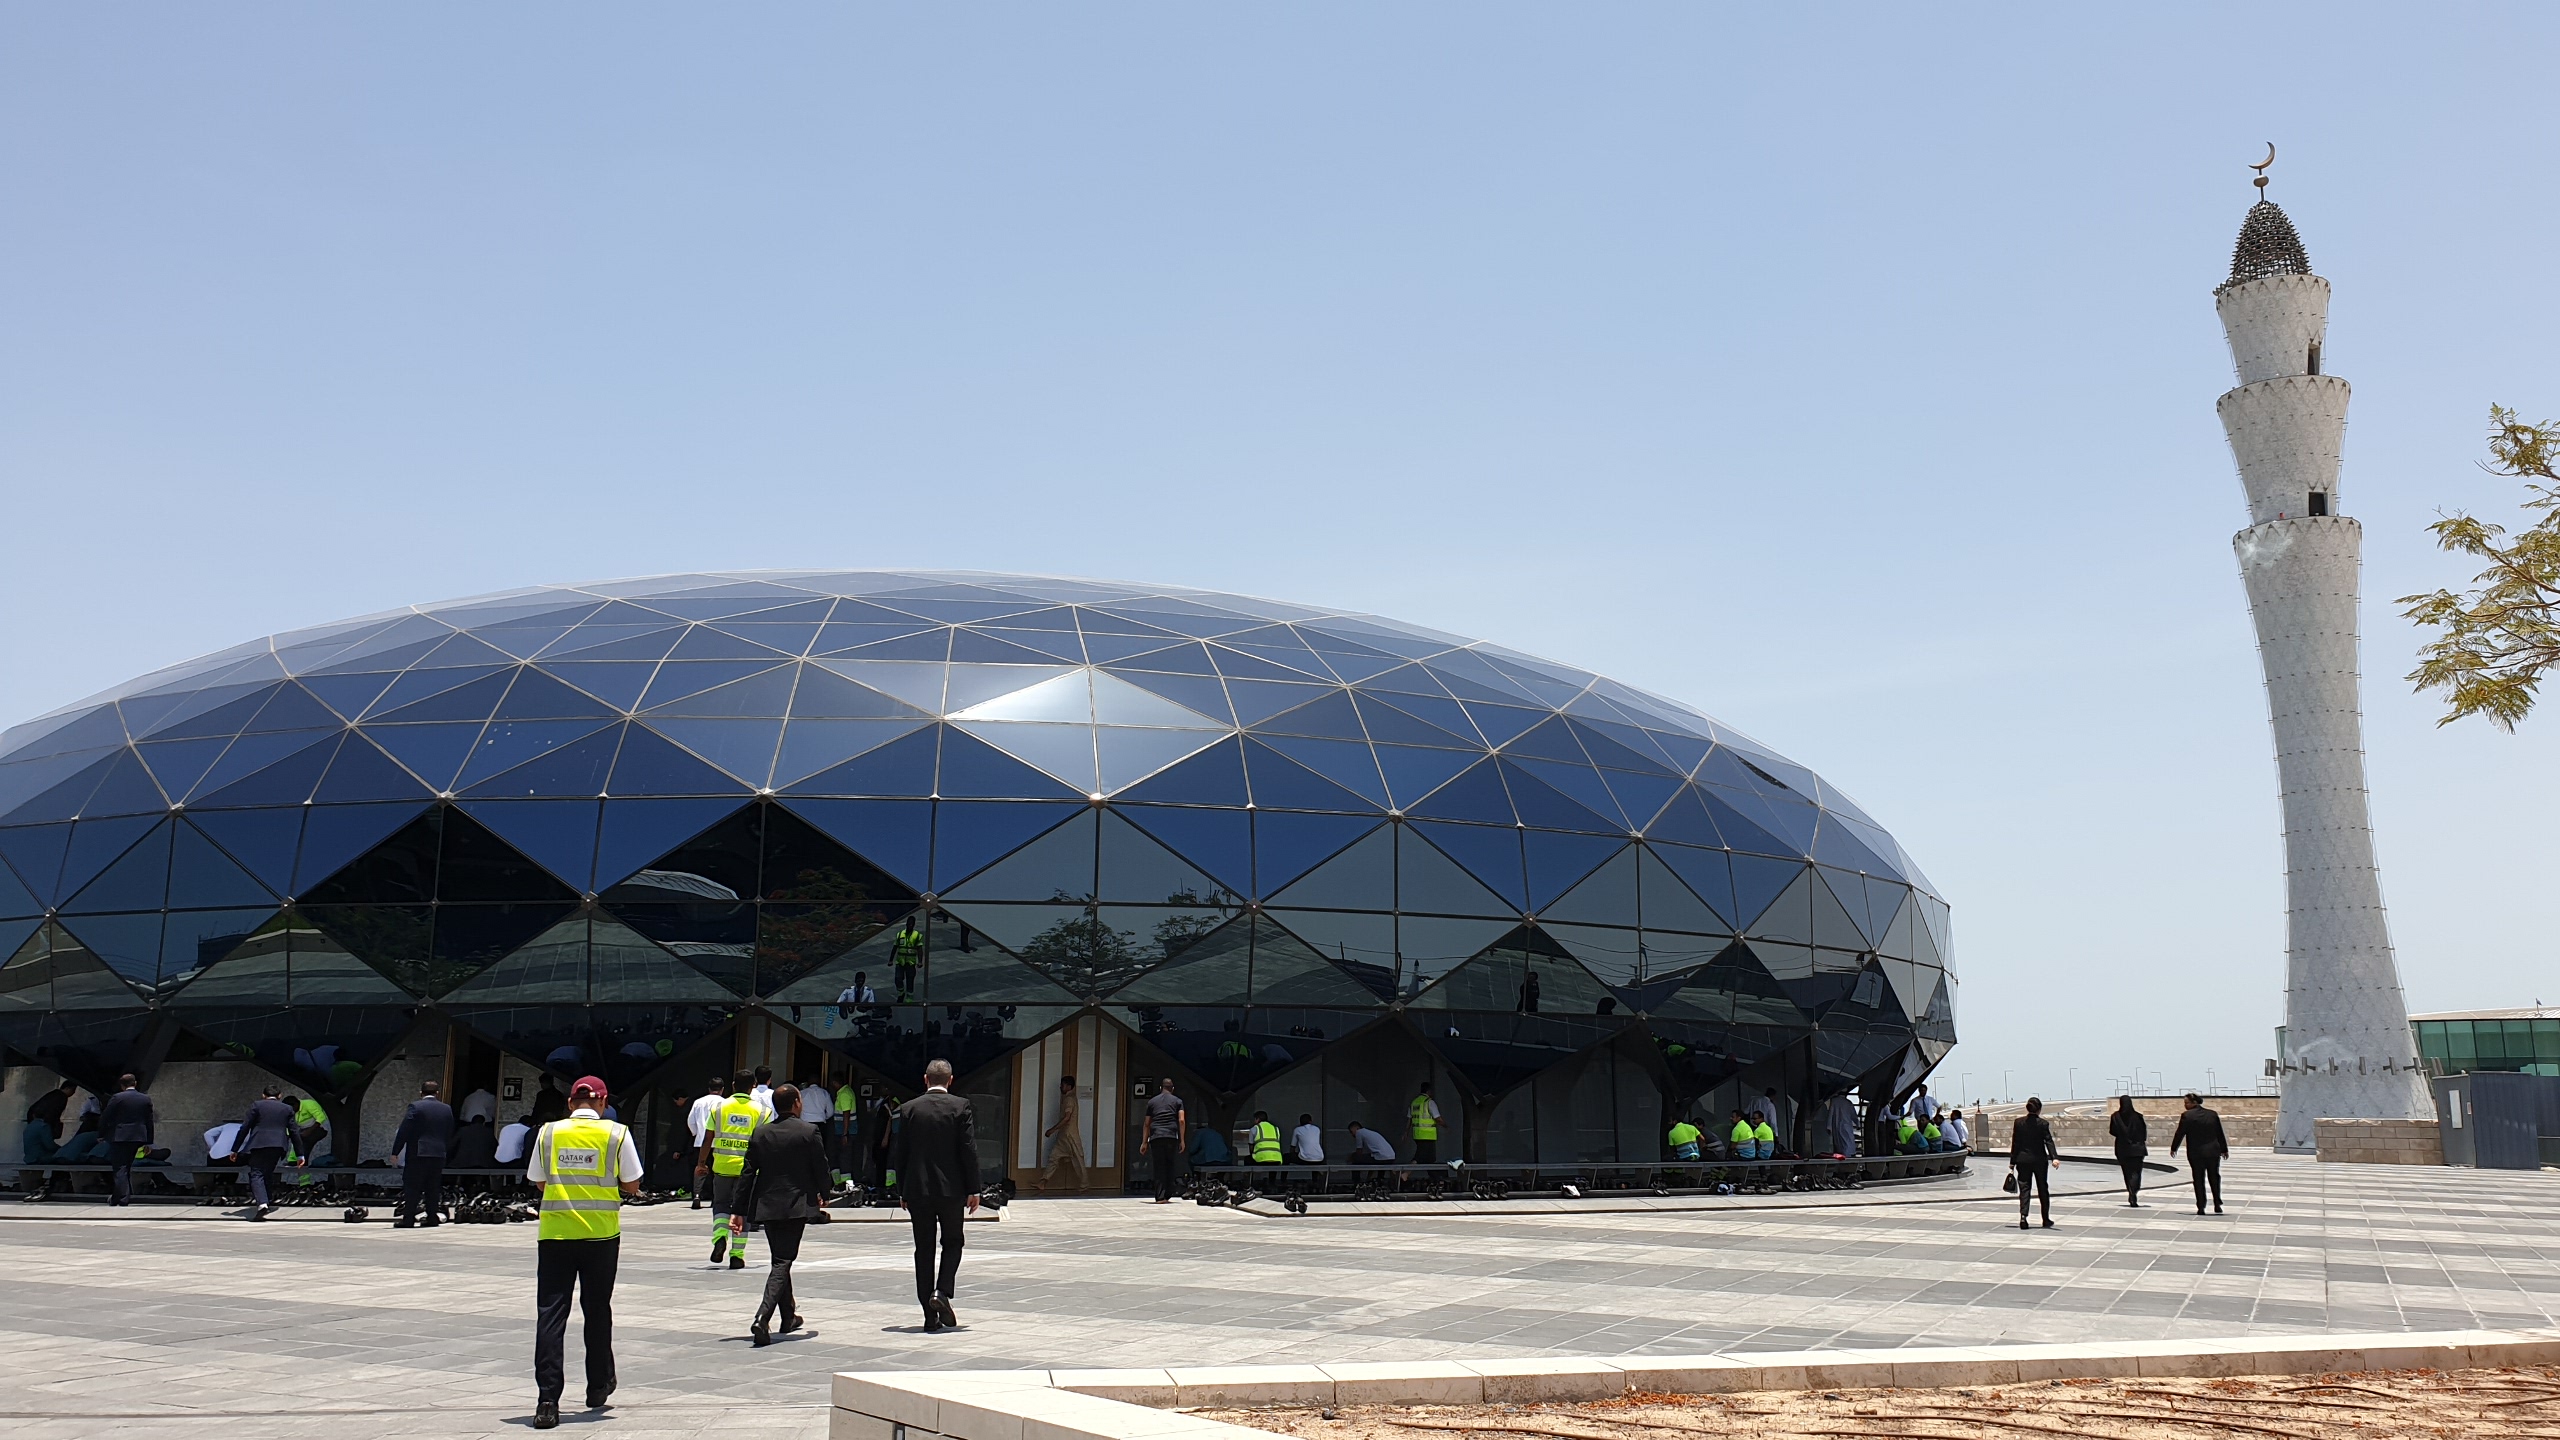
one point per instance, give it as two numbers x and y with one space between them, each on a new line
2315 368
2319 499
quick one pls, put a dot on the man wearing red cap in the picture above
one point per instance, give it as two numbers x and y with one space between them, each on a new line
585 1164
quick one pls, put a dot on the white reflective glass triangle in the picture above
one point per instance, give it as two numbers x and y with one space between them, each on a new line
1117 702
1129 756
1066 700
1065 751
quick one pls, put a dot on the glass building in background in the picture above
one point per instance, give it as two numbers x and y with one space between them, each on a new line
1299 859
2456 1042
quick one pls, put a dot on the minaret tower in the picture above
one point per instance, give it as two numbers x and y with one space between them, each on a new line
2348 1048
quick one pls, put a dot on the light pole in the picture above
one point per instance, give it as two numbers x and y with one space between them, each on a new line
2075 1082
2005 1094
1964 1085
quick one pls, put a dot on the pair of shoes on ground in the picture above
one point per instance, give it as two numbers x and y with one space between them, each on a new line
546 1413
2022 1224
938 1316
761 1332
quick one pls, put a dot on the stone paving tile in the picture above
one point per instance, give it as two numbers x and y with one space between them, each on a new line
305 1316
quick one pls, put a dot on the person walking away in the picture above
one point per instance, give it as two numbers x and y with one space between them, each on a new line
1066 1138
783 1190
2200 1130
128 1126
1422 1119
1306 1143
1168 1135
1840 1121
723 1157
419 1148
698 1121
265 1137
935 1157
841 1133
764 1089
2031 1155
2132 1135
906 960
585 1165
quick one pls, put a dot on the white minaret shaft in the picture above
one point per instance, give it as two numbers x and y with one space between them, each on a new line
2348 1048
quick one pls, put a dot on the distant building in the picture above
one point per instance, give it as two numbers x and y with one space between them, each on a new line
2454 1041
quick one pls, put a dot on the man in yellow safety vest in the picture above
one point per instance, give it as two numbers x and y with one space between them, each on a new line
723 1157
585 1164
1423 1117
1266 1139
906 960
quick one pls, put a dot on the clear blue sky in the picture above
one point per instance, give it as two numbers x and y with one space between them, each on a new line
1849 374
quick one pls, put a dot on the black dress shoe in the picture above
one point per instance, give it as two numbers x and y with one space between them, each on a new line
2048 1224
794 1323
761 1333
737 1262
942 1308
598 1399
546 1415
719 1250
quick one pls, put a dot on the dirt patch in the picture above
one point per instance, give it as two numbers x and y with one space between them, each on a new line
2436 1405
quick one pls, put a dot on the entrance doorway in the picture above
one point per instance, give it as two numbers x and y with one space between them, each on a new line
1095 1054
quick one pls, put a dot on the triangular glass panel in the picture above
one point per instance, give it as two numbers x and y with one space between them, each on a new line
361 772
1286 972
1120 702
1668 901
323 1051
95 844
52 970
1215 776
967 686
1204 695
679 681
1280 783
930 646
900 767
558 835
1740 829
1606 897
471 938
1068 943
424 697
1758 880
1330 716
507 744
1836 845
1614 956
967 837
1287 846
1134 869
1897 936
896 835
1388 725
972 769
764 695
1641 797
1216 970
1429 882
1489 853
1558 862
1362 877
285 779
1413 772
1066 699
254 971
963 966
995 643
1544 807
795 941
1218 841
1058 866
579 768
825 694
191 940
1347 763
34 852
1065 751
433 753
1685 821
138 879
633 834
1936 921
17 901
1832 924
1789 917
201 877
1359 944
536 696
1128 755
53 787
811 746
125 789
1476 795
702 643
1258 700
128 944
618 683
743 749
1924 945
333 835
649 764
177 764
474 864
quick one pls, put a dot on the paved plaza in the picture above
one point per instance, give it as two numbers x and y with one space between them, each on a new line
143 1327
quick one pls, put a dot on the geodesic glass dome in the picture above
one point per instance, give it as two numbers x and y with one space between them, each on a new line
918 815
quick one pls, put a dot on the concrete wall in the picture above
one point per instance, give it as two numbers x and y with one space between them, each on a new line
394 1085
193 1096
2248 1120
2380 1142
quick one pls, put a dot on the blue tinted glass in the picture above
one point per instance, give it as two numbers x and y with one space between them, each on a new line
743 749
1756 882
680 680
1685 821
1833 925
223 712
824 693
1550 739
1181 659
1388 725
968 836
1215 776
179 764
988 648
1641 797
471 701
650 765
1348 763
268 769
761 694
1542 805
1287 846
201 877
1360 878
136 880
811 746
1213 970
1740 829
1441 712
1280 783
1834 844
536 696
633 833
579 767
1330 717
896 835
126 789
1501 724
128 944
1579 783
194 939
17 900
1607 896
1257 700
434 753
1104 649
703 645
1133 868
1056 866
1288 972
506 744
1491 854
332 835
721 864
558 835
1219 841
901 767
1671 899
51 787
1558 862
933 645
361 772
1413 773
618 683
1429 881
471 938
1355 942
1267 664
972 769
1476 795
95 844
35 853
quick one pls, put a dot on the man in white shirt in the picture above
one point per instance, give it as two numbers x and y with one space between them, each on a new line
698 1121
856 995
817 1105
513 1141
1924 1107
1953 1131
568 1265
478 1105
1306 1143
1371 1147
763 1093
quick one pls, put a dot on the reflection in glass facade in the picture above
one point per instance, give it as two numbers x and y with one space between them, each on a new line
917 815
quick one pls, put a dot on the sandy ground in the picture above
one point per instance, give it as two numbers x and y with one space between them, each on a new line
2456 1405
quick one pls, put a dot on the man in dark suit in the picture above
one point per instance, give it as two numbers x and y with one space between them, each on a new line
935 1156
128 1126
419 1148
265 1135
2200 1130
783 1191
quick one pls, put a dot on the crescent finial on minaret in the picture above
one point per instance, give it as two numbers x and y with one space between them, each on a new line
2261 168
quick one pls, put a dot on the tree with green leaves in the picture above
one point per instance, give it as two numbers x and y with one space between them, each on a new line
2493 643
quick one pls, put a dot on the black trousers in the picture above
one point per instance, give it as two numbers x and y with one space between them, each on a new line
120 1158
2132 1176
782 1237
2205 1172
1426 1152
937 1219
587 1267
1163 1154
2037 1182
422 1188
262 1174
